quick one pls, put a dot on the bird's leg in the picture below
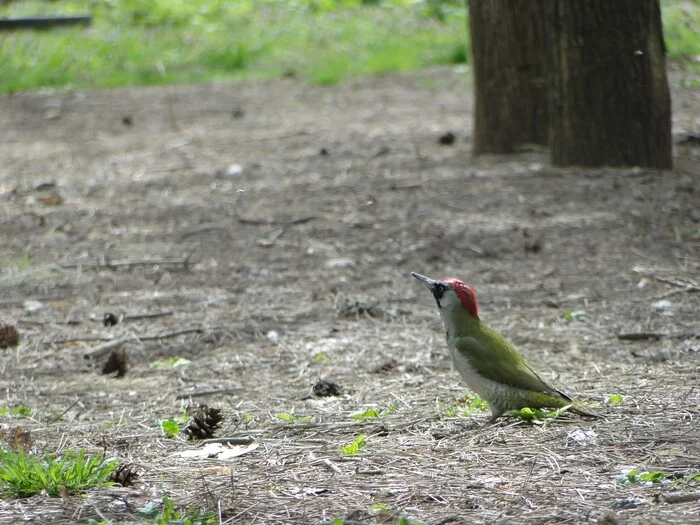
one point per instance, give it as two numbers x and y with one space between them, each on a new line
495 414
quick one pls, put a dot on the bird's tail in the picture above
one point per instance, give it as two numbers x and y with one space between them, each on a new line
576 408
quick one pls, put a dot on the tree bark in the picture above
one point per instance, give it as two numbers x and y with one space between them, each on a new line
509 57
609 97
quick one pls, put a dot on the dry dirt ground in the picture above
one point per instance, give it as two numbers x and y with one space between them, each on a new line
274 226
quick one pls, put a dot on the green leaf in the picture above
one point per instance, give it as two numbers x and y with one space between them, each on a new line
358 444
287 416
575 315
615 399
388 410
372 413
654 477
474 402
170 427
379 506
22 410
367 414
529 414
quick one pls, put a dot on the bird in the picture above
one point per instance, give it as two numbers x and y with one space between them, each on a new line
488 363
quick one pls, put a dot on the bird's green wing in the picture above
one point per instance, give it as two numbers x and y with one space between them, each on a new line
502 364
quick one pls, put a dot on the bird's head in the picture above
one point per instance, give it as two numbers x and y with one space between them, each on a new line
451 294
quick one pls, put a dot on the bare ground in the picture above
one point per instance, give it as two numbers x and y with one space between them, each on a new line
297 268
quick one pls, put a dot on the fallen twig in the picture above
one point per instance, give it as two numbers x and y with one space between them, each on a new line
121 264
689 285
655 336
205 393
106 348
132 317
168 335
261 138
114 343
327 462
273 222
681 498
79 339
228 440
203 228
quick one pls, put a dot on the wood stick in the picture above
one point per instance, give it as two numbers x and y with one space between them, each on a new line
132 317
272 222
121 264
106 348
115 343
248 440
655 336
204 393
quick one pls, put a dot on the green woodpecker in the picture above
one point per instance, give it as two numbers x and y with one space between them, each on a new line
487 362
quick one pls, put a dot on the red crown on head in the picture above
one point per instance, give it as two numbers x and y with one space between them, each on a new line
466 294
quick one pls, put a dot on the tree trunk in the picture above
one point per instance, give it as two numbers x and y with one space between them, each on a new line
509 57
609 98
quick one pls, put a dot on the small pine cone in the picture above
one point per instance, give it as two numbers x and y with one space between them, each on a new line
116 362
9 336
204 423
125 475
326 389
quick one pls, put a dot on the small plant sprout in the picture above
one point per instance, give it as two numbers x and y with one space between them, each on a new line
462 407
165 514
374 413
575 315
537 416
636 476
354 448
170 427
291 417
23 411
616 399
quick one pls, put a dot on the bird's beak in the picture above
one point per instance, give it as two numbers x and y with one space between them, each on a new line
425 280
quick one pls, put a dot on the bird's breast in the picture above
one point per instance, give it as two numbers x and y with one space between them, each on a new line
486 388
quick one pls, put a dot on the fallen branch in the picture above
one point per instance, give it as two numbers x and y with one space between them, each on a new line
655 336
205 393
168 335
133 317
681 498
326 462
228 440
689 286
79 339
261 138
115 343
273 222
204 228
101 350
122 264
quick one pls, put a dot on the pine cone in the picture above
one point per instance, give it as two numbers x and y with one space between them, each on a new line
9 336
116 362
125 475
205 421
327 389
